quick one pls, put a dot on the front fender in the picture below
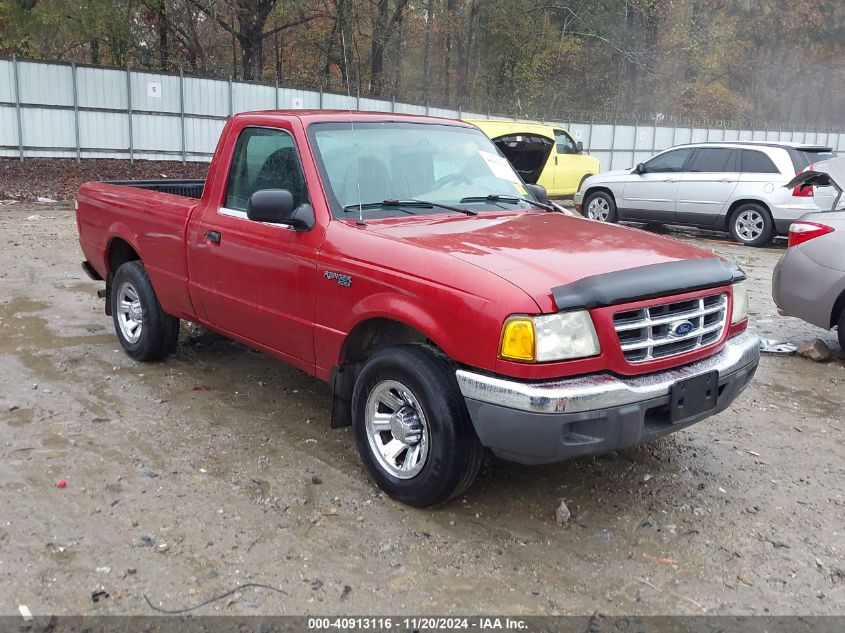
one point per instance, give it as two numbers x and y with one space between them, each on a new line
405 310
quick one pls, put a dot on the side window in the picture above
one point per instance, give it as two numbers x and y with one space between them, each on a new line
264 158
754 162
564 143
711 159
669 161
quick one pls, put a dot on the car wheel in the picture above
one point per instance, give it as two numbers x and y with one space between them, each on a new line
412 427
600 206
752 225
841 331
145 332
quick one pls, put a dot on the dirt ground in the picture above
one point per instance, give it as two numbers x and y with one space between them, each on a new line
218 467
58 179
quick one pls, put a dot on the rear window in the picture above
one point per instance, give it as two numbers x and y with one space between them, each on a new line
711 159
754 162
803 158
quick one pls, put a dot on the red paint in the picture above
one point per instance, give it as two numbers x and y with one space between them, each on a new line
453 278
62 484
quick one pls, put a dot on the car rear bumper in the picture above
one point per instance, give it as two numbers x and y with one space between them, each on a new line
787 213
802 288
538 423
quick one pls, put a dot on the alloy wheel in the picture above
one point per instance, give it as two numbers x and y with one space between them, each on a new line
397 429
598 209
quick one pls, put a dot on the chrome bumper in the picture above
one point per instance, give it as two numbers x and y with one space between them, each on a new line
603 391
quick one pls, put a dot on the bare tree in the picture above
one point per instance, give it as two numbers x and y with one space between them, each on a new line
251 17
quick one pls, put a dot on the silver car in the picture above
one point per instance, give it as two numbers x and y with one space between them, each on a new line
809 280
732 186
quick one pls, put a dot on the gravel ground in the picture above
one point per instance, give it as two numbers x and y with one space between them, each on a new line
187 478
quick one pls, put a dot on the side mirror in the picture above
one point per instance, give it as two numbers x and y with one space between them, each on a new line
277 206
579 147
640 168
539 192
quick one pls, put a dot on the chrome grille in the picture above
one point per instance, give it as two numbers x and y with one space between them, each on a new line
671 328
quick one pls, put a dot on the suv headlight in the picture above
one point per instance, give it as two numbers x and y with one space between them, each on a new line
740 304
550 337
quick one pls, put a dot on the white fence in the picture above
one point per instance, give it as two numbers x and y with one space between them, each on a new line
65 110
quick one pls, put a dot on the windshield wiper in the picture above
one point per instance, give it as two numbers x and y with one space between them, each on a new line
508 198
413 203
349 208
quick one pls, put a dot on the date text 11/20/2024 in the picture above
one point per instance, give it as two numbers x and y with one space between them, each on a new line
417 624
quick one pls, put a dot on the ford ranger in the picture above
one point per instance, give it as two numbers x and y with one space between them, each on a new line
450 308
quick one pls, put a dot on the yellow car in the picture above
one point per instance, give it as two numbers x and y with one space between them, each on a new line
543 154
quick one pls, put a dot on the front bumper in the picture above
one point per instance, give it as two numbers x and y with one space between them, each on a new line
538 423
578 199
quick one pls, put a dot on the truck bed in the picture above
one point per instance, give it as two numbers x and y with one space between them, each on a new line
186 188
148 220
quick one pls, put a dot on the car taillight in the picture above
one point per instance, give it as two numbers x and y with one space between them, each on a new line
800 232
803 191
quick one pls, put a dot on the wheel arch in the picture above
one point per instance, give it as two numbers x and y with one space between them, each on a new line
838 308
726 219
367 336
118 251
596 188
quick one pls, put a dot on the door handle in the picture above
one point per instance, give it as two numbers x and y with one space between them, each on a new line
670 180
213 236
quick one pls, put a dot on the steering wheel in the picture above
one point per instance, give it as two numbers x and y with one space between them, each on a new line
450 178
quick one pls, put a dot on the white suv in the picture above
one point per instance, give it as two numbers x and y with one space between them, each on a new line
733 186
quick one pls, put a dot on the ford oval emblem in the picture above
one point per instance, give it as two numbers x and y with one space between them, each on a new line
680 328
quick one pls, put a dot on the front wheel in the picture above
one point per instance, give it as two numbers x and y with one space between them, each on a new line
600 206
752 225
144 330
412 427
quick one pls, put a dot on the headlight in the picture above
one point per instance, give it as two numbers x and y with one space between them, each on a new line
549 337
740 306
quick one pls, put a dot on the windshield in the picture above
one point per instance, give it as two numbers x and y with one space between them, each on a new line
398 161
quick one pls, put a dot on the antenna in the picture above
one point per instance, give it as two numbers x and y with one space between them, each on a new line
360 221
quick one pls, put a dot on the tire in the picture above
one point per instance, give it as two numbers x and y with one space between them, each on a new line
751 224
442 454
145 332
601 207
841 331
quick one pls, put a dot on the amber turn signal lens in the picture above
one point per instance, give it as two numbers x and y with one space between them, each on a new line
518 339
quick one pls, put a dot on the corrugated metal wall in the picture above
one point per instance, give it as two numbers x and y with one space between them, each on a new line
61 110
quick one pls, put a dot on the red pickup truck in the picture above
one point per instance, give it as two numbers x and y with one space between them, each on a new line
449 306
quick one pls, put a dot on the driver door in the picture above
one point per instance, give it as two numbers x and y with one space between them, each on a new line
254 279
651 195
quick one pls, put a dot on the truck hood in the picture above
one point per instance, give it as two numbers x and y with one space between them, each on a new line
539 251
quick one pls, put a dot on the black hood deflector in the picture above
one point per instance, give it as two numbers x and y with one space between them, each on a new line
646 282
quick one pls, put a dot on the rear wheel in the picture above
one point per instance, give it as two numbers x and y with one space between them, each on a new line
145 332
412 428
600 206
841 331
751 224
